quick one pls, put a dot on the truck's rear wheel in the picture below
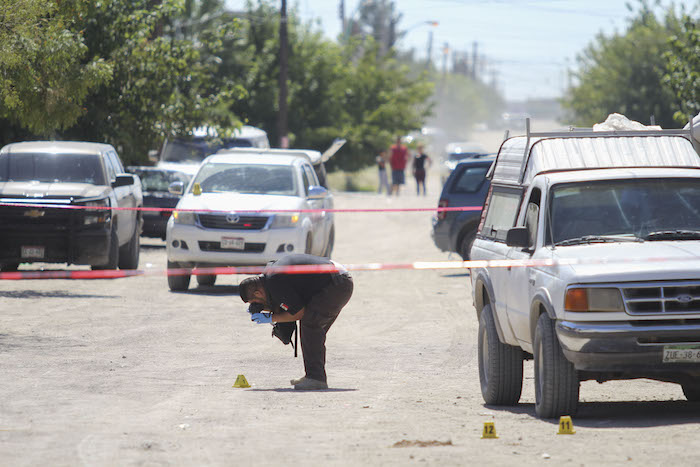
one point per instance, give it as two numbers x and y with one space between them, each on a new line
556 381
330 243
129 253
500 365
177 283
206 279
465 245
308 248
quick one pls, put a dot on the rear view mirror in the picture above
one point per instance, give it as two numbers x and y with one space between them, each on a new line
176 188
518 237
123 180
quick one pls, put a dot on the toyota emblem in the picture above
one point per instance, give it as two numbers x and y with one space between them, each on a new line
685 298
232 218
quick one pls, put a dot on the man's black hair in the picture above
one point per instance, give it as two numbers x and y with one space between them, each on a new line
248 286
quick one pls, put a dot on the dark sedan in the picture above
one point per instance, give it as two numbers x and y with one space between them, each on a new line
467 185
155 182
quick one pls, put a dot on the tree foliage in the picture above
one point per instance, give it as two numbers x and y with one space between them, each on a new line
46 70
683 67
624 73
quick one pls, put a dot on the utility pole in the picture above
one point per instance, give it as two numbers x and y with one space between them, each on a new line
475 59
429 59
341 13
283 59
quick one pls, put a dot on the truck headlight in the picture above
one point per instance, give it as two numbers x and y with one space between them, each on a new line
183 217
284 221
97 216
593 299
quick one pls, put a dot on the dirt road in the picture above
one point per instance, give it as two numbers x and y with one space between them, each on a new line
124 372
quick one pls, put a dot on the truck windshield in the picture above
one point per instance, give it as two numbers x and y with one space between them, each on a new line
49 168
196 149
667 209
247 178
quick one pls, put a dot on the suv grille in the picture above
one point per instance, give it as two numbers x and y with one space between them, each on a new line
220 221
672 297
39 220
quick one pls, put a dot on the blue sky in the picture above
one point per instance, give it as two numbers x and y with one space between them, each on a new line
526 44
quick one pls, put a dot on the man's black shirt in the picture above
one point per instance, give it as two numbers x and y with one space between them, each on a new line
291 292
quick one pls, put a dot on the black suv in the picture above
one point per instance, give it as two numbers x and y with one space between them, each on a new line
466 186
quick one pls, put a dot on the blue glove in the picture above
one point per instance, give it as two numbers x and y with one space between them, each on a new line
261 318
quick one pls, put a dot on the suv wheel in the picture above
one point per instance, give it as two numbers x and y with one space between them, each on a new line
309 244
113 260
330 244
9 267
129 253
556 381
177 283
206 279
465 245
691 392
500 365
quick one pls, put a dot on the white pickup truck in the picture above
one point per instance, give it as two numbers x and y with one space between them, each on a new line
608 226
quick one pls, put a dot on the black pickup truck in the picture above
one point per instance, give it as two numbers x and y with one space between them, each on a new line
46 190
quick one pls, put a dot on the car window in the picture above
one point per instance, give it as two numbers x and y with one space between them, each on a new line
44 167
305 181
118 167
247 178
532 215
159 180
470 180
311 175
501 213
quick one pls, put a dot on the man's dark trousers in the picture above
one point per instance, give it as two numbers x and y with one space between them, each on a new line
319 316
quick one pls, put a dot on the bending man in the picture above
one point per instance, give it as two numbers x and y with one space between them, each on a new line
314 299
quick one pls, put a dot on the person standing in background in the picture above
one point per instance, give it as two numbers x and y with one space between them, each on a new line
399 158
382 159
419 167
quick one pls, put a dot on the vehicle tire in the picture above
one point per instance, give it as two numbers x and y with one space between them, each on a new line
556 380
113 260
178 283
309 244
691 392
9 267
465 245
500 365
129 253
330 244
206 279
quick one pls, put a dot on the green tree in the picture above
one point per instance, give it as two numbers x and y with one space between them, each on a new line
163 82
683 69
624 73
46 70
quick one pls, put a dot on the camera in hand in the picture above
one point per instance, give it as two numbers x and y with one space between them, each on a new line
255 308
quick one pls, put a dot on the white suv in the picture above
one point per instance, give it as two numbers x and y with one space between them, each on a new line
216 223
611 224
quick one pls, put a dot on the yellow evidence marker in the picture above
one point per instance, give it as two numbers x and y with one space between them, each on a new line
489 431
241 382
566 426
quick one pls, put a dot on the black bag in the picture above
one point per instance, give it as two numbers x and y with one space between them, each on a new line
284 332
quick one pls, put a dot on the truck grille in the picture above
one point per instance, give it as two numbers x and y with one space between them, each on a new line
39 220
666 298
222 221
216 246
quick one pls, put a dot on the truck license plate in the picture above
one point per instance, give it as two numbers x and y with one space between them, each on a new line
32 252
681 353
233 243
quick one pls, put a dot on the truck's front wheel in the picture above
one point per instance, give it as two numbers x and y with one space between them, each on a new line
556 381
691 392
500 365
129 253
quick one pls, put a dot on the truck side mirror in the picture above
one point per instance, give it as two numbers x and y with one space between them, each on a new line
518 237
176 188
123 180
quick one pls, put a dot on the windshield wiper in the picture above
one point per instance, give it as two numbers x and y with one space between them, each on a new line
673 235
597 239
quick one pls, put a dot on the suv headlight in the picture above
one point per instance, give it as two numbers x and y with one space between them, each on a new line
183 217
593 299
97 216
281 221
